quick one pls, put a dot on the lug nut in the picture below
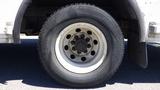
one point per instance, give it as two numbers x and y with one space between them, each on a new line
72 42
87 39
82 35
78 52
73 48
89 45
76 37
85 51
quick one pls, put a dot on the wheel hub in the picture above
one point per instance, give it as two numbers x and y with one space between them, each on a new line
80 44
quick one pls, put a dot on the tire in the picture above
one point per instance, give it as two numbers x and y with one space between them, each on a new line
65 64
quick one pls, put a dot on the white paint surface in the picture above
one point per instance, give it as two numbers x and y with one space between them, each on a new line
150 12
8 12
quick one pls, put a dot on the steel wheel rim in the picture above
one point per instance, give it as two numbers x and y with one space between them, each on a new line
77 57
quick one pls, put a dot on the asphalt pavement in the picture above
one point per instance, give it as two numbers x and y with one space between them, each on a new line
20 69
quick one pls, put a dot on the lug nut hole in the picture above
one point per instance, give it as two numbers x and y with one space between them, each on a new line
92 53
89 32
68 36
72 57
83 58
78 30
66 47
95 42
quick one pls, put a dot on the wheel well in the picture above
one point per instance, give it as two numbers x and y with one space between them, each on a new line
39 10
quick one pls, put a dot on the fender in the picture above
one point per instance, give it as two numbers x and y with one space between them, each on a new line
133 4
137 47
18 20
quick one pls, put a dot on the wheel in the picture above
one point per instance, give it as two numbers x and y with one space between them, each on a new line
81 46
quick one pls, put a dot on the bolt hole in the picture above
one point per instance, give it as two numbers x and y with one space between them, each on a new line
73 48
76 37
68 36
89 32
87 39
72 42
66 47
85 51
78 30
72 57
82 36
92 53
78 52
89 46
83 59
95 42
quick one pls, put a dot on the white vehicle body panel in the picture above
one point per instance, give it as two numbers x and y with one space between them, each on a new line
9 9
150 12
8 12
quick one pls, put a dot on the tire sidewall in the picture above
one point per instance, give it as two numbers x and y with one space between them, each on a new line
101 20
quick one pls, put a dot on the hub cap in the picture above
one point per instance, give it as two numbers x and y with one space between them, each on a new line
81 47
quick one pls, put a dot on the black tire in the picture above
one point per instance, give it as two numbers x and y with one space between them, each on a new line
81 13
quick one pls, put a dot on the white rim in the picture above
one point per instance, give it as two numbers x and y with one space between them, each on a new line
76 65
